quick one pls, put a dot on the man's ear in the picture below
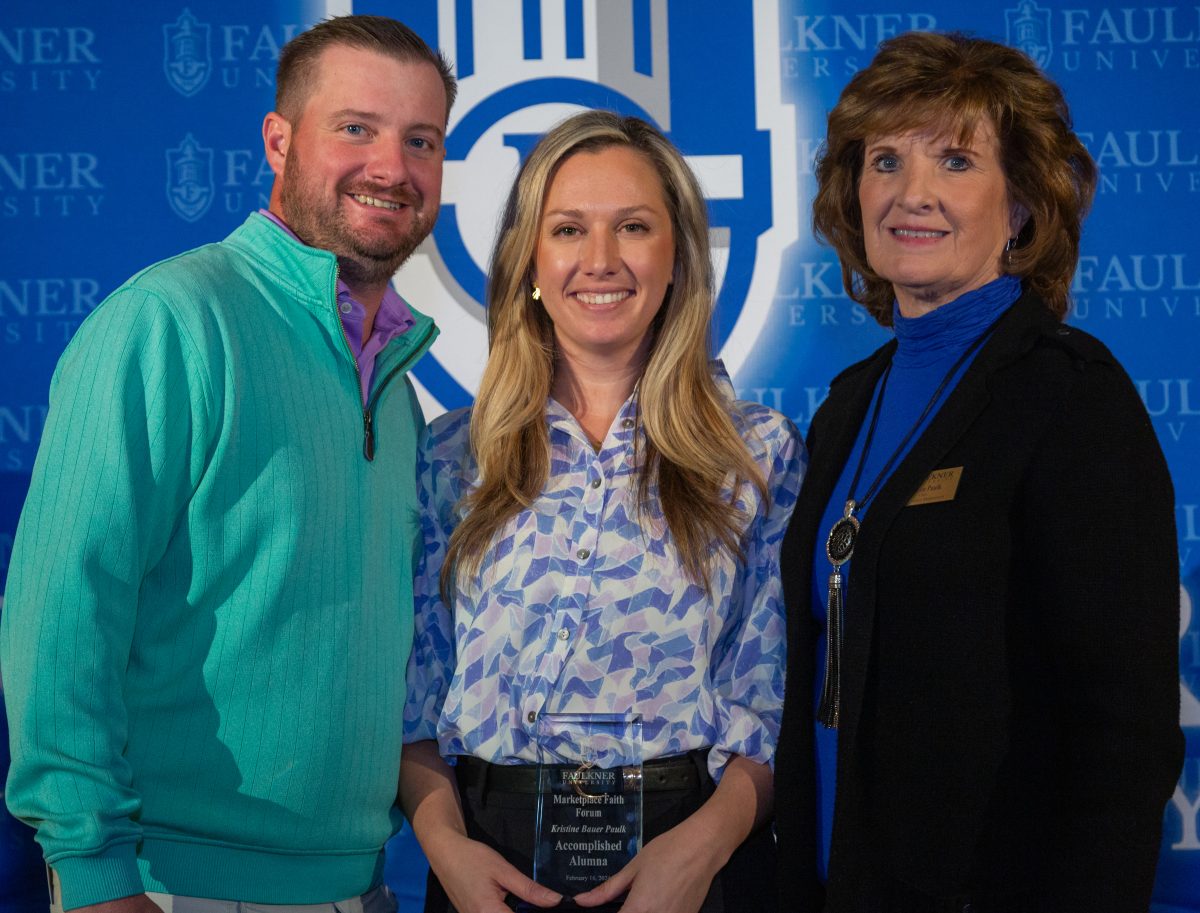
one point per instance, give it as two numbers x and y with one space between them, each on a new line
277 139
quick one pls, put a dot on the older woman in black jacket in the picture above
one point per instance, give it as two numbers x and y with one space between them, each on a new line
981 572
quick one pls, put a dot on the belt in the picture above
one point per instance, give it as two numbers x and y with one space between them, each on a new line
659 775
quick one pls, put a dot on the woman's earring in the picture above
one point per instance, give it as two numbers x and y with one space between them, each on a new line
1008 248
537 293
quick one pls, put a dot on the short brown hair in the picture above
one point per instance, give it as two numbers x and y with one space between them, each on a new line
296 73
954 83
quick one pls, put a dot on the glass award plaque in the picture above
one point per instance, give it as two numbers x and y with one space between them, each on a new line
589 806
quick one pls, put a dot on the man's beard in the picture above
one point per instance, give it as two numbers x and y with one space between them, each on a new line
320 223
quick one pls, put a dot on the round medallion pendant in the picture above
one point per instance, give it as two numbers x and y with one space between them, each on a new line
840 544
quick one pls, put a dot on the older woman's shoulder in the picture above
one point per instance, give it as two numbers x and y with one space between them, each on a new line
1079 345
1061 357
1063 372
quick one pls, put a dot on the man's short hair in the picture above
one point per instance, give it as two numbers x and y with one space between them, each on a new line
297 70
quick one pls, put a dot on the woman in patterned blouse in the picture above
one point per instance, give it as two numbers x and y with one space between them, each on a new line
602 535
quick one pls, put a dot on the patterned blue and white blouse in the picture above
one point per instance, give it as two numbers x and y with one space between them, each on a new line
577 610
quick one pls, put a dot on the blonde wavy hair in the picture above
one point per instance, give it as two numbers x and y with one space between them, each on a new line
692 448
955 83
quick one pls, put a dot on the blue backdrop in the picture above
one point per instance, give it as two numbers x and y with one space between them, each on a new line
131 132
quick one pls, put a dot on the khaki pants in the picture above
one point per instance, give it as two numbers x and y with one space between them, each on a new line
379 900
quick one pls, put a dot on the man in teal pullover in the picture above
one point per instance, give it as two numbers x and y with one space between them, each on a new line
209 603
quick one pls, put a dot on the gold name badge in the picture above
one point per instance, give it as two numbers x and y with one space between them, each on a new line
942 485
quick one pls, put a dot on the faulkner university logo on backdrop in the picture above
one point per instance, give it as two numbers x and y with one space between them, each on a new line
1028 28
1132 38
190 188
187 53
524 66
229 56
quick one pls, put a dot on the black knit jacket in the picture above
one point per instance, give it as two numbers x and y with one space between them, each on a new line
1009 727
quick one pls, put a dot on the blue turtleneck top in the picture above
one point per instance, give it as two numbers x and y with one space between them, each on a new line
927 347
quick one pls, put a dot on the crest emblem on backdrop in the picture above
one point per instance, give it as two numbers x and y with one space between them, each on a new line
1027 27
190 188
187 54
710 82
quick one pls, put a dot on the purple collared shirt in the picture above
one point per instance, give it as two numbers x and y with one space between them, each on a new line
392 319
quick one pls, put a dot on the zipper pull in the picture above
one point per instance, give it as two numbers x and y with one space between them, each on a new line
368 437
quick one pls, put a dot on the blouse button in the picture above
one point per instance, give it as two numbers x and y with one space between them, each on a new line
583 554
595 483
345 307
564 634
531 716
627 423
